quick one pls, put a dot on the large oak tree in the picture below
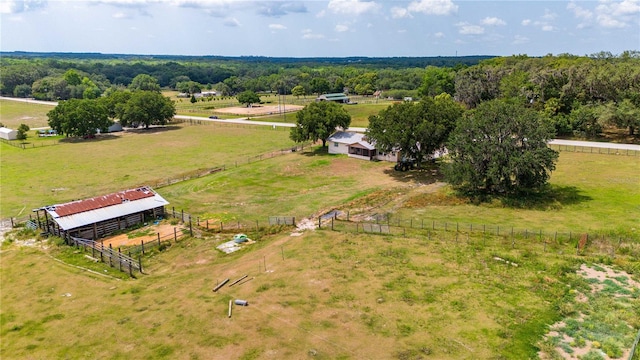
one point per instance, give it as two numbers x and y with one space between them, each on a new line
318 120
417 130
147 108
78 117
500 148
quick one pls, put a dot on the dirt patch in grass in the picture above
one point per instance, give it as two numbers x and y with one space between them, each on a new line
146 234
600 320
259 109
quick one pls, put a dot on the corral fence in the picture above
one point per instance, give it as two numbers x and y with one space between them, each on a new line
115 258
20 144
243 225
584 243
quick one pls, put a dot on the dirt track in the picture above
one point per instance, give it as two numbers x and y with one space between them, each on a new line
259 109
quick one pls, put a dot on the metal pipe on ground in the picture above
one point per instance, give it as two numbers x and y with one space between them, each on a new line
220 285
237 281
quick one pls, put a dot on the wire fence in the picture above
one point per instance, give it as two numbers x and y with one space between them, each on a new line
583 243
595 150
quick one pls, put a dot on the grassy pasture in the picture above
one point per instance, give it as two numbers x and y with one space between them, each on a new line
325 295
14 113
335 295
85 168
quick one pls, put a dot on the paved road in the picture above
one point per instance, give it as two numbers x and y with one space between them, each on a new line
594 144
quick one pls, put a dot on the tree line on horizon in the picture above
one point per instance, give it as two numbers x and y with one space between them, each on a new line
578 95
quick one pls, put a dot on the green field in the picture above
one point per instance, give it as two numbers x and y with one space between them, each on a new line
324 294
85 168
14 113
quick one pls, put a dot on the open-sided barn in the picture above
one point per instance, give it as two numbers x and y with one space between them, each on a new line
99 216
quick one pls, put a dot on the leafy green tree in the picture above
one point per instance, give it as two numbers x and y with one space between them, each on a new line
114 101
248 97
585 121
79 117
318 120
147 108
623 115
500 148
22 91
437 80
23 130
417 130
72 77
144 82
298 91
319 85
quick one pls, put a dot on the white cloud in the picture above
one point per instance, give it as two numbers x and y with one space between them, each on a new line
548 15
526 22
352 7
579 11
547 27
519 39
469 29
493 21
617 14
439 35
399 13
402 31
121 15
18 6
341 28
609 21
433 7
309 35
277 27
231 22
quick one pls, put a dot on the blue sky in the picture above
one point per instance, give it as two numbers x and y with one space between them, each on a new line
320 28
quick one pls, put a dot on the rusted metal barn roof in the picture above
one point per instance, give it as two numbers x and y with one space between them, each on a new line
84 212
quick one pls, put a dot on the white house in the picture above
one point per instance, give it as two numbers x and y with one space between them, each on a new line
8 134
355 145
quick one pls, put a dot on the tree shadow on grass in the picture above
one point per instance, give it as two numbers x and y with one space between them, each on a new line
80 139
152 129
551 197
428 173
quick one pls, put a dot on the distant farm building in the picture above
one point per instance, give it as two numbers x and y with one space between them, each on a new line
355 145
99 216
337 97
8 134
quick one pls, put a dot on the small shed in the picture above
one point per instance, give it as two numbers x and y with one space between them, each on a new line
99 216
8 134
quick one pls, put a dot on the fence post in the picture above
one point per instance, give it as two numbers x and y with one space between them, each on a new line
140 263
257 227
319 222
332 224
182 215
119 259
190 227
142 245
175 235
159 244
221 226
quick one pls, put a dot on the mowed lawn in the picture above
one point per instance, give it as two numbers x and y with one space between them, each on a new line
85 168
14 113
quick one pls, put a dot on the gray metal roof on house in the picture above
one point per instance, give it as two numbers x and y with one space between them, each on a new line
351 138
